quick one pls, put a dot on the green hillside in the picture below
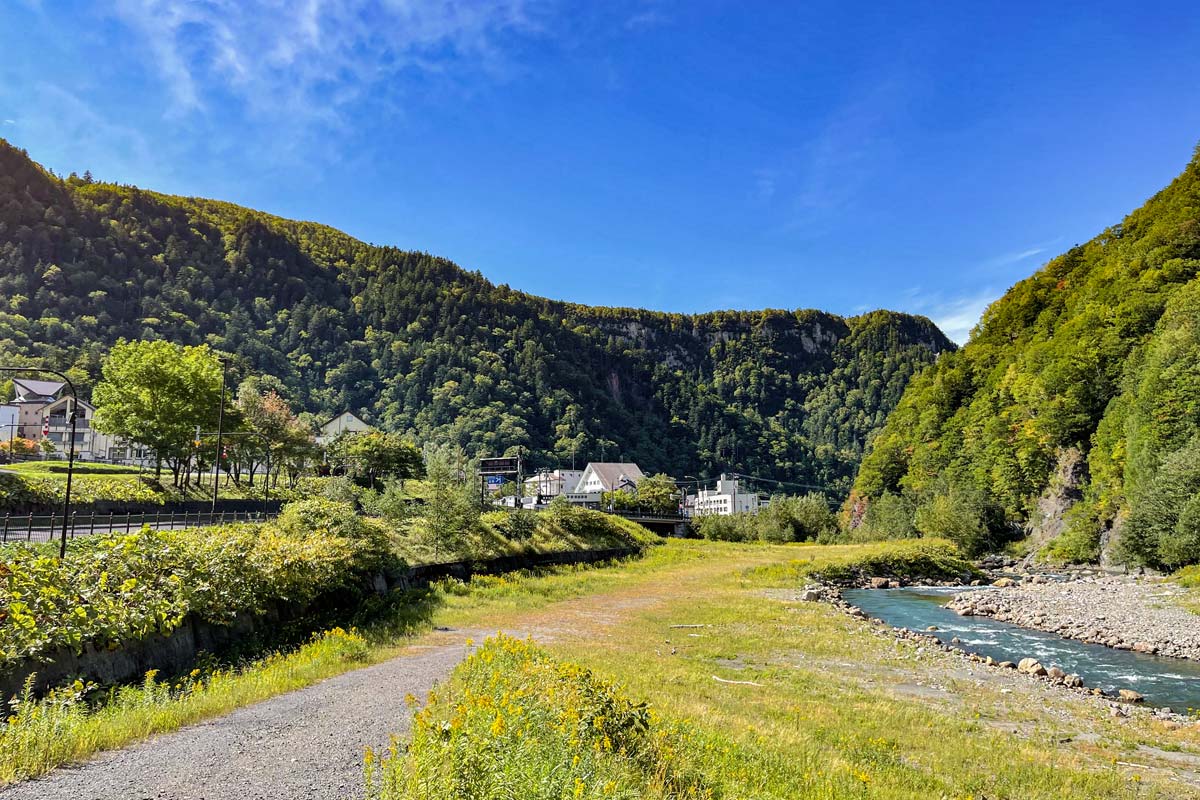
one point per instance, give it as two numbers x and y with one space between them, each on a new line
1074 409
419 345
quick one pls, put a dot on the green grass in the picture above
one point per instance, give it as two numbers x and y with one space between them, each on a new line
812 706
816 706
45 482
82 468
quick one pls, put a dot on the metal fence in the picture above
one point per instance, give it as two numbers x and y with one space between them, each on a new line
48 527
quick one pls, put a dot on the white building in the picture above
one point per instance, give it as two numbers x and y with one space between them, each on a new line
345 422
725 499
601 476
551 483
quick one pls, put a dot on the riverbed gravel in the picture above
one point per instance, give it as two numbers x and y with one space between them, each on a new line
308 744
1125 612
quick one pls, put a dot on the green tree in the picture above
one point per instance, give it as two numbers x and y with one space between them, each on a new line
371 457
658 494
155 394
452 507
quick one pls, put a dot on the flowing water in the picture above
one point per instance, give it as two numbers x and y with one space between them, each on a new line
1171 682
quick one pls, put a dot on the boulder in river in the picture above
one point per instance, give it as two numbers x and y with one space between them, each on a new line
879 583
1130 696
1031 666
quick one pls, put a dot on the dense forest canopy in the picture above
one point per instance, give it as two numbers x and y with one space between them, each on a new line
418 345
1082 382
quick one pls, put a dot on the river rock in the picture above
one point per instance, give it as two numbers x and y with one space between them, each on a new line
1007 665
1031 666
879 583
1004 583
1055 673
1144 647
1073 681
1130 696
811 596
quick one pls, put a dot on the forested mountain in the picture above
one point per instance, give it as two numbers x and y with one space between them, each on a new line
419 345
1079 390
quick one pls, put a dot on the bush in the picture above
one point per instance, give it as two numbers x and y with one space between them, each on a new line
964 516
890 516
515 722
911 560
796 519
520 524
111 589
728 527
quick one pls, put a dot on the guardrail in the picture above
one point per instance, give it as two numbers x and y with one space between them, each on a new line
48 527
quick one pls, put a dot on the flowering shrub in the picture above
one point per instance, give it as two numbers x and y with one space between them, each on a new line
117 588
515 722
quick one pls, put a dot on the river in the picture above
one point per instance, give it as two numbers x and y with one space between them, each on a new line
1170 682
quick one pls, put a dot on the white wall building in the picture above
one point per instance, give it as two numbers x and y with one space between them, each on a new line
552 483
726 498
345 422
601 476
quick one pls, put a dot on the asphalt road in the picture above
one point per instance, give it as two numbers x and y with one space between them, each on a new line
305 745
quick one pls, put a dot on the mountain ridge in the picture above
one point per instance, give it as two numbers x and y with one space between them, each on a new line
426 347
1057 371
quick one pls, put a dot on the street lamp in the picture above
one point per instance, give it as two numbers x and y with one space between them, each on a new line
62 548
220 430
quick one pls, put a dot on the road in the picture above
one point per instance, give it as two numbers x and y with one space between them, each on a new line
304 745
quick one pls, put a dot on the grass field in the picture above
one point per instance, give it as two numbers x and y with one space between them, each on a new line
751 693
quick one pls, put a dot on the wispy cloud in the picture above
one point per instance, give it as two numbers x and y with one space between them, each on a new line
958 315
831 165
307 61
63 121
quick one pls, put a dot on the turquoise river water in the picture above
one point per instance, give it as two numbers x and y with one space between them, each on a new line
1169 682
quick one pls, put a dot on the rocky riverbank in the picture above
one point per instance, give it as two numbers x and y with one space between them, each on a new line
1124 612
1119 703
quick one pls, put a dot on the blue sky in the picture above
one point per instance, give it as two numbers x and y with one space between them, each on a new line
683 156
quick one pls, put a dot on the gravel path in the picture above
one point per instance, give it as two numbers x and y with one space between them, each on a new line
306 744
1122 612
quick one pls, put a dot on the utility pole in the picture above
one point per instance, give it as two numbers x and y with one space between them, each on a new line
220 433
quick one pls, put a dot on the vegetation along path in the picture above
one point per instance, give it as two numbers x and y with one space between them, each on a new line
783 697
305 744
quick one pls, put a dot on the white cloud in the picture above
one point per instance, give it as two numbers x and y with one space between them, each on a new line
10 122
957 316
72 133
306 61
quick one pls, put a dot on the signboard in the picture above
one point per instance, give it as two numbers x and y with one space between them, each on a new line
499 466
494 483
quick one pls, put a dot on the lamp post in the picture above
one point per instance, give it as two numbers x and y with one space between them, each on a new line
62 548
220 431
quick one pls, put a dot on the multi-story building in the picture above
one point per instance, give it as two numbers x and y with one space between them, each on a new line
726 498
